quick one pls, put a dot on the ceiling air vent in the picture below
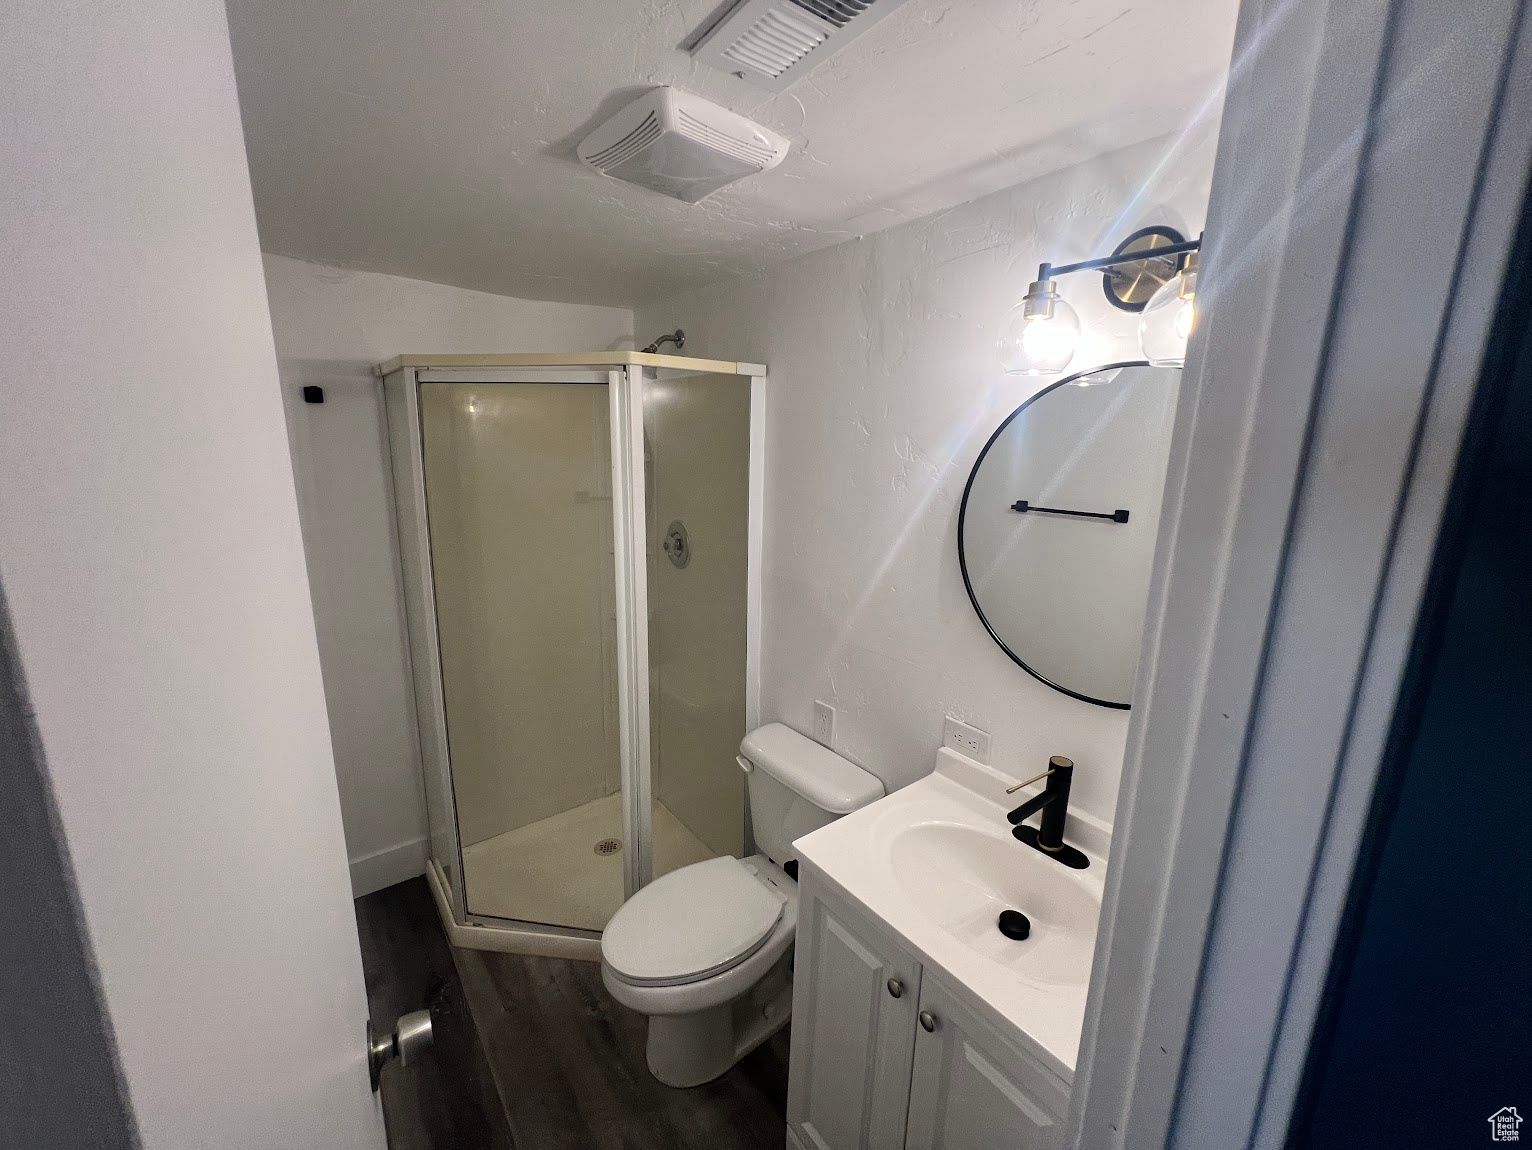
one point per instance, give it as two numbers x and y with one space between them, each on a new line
771 43
673 142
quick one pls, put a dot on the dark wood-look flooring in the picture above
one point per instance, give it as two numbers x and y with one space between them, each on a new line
446 1100
564 1060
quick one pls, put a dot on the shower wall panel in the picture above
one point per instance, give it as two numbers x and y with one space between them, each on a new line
697 447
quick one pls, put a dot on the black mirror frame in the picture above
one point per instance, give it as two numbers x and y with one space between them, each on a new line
963 518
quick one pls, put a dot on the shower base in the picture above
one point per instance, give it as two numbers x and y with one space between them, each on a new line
551 872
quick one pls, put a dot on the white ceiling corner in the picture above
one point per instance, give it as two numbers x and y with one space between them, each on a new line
437 140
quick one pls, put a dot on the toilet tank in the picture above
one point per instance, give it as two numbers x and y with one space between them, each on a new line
797 786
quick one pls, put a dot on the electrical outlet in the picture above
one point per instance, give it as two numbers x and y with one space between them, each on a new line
965 740
824 724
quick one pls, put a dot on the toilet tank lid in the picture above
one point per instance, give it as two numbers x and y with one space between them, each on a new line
833 784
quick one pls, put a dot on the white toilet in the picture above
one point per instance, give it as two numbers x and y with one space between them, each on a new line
706 951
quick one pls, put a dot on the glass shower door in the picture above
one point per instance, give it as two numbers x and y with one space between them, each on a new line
697 517
518 494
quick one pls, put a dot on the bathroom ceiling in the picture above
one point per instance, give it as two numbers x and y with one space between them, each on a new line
437 139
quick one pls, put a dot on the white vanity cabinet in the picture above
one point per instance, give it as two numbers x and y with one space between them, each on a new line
885 1055
856 994
975 1089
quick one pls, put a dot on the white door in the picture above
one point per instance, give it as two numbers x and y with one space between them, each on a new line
151 560
854 1002
972 1089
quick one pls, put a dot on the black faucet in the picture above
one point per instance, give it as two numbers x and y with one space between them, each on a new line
1048 836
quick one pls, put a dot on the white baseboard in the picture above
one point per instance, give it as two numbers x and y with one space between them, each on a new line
385 867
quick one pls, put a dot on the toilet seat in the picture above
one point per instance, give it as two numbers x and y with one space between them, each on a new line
691 924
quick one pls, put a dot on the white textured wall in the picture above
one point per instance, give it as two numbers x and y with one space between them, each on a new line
331 327
883 388
150 552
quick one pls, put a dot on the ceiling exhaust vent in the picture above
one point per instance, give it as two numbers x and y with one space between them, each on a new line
772 43
673 142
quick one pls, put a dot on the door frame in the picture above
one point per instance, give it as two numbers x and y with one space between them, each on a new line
630 550
1326 391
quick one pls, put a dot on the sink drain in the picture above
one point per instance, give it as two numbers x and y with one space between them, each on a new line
608 846
1015 925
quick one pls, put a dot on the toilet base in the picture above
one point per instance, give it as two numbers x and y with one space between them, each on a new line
691 1049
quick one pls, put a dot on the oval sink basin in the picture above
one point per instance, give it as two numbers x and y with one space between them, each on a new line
962 878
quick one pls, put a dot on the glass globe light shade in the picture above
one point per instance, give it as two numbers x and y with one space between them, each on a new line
1168 318
1040 333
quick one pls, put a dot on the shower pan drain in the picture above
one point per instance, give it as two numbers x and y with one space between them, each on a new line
608 846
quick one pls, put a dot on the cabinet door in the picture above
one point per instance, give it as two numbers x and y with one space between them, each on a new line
973 1088
853 1035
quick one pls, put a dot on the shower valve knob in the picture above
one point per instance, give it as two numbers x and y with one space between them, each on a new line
677 543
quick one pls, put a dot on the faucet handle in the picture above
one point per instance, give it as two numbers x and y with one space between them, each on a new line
1029 782
1056 763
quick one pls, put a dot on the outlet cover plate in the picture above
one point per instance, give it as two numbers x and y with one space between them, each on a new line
824 724
965 740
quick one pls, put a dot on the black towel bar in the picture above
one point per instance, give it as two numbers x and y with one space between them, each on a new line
1118 516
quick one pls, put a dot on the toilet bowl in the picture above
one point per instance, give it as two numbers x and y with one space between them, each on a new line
707 1007
706 951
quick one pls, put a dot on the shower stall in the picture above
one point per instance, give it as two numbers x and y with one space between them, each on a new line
580 551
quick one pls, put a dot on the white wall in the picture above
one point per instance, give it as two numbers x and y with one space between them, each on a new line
883 388
331 327
151 556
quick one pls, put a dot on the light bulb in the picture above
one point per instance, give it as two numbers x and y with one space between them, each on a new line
1169 317
1040 333
1186 315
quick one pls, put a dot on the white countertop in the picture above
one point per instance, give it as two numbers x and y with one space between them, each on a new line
966 800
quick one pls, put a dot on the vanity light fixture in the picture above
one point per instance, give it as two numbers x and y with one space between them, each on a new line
1042 331
1169 316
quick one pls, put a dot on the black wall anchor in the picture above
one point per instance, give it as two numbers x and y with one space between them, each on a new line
1118 516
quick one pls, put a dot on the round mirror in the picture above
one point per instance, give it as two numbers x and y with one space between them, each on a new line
1057 528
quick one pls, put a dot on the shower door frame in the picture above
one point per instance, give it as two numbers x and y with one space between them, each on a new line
625 375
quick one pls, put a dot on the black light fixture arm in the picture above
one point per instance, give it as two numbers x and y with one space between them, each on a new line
1051 271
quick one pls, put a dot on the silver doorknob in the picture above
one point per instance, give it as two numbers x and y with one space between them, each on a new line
410 1037
927 1021
895 988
